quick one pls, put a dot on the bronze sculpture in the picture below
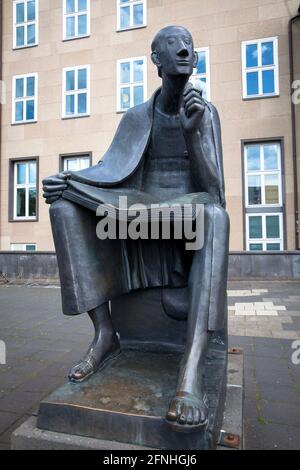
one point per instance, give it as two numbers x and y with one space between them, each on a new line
169 146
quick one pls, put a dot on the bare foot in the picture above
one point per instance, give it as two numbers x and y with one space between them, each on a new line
99 354
187 409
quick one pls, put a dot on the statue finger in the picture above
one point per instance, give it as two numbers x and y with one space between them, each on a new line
193 99
194 108
48 195
53 188
50 200
190 415
56 179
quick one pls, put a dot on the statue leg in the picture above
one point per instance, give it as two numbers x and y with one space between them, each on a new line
207 289
104 347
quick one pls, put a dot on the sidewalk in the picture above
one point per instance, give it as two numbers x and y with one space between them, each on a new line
264 319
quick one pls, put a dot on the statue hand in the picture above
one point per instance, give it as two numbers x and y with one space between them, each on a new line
192 109
53 187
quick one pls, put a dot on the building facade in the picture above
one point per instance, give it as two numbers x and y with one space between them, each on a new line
70 68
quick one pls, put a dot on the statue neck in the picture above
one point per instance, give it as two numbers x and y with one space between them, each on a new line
169 100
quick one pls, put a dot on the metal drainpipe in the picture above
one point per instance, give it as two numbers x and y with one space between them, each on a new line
294 130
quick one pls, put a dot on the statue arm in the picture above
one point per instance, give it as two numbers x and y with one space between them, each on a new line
203 155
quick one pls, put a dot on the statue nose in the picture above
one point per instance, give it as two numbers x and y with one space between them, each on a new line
183 52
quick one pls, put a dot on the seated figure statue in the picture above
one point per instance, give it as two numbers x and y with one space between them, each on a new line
169 146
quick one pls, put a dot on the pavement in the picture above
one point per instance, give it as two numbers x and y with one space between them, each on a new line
264 319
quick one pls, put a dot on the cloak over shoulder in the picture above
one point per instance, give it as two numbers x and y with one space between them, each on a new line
130 144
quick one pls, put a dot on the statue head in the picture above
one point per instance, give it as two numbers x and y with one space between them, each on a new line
173 51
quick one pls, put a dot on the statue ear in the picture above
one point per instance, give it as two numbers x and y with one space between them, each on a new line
196 58
155 59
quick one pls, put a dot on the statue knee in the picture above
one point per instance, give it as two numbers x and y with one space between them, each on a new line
217 214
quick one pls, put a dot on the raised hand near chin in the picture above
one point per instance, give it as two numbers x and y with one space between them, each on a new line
192 109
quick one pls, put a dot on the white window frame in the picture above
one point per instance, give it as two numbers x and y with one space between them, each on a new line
260 68
203 75
75 92
264 240
262 173
131 84
26 186
25 98
25 24
77 158
76 14
131 3
23 247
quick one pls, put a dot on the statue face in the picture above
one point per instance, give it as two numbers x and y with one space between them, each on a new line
175 55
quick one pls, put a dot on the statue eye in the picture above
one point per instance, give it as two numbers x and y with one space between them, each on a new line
187 41
171 41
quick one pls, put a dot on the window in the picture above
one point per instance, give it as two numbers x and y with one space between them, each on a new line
76 163
23 246
132 78
25 190
76 21
263 175
76 93
131 14
260 68
201 75
264 232
25 17
24 98
263 196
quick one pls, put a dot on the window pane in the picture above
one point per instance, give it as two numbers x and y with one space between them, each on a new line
201 64
19 88
29 110
70 6
273 246
30 86
82 79
32 202
138 14
84 163
21 173
268 81
138 71
31 10
20 36
125 17
138 96
272 189
272 224
267 49
70 80
125 72
30 247
82 101
82 5
70 27
256 247
31 34
252 83
19 111
32 173
125 98
21 194
251 55
254 190
253 158
255 227
71 164
20 13
82 24
70 104
271 157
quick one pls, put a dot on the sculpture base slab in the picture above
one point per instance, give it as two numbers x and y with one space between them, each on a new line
128 400
29 437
